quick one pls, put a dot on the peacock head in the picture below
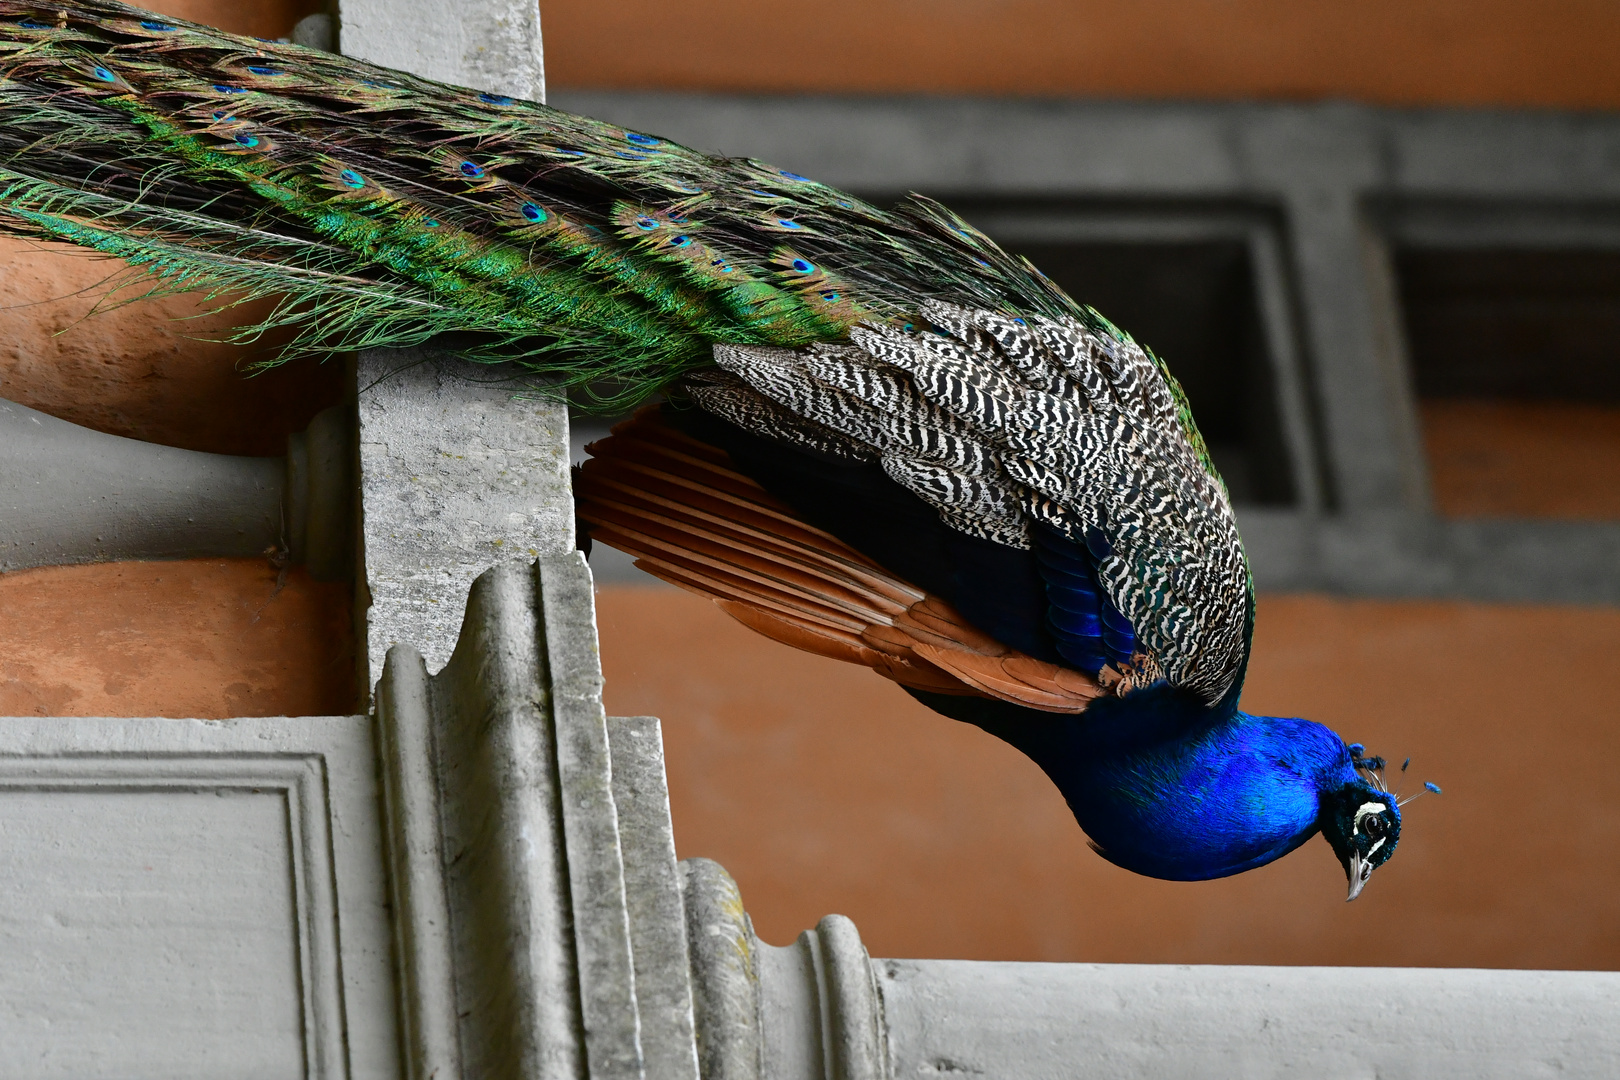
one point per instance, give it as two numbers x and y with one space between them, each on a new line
1362 819
1363 825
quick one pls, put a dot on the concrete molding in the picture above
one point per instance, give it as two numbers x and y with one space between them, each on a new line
549 831
69 494
969 1018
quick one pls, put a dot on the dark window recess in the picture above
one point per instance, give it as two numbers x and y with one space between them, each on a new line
1513 324
1194 305
1516 360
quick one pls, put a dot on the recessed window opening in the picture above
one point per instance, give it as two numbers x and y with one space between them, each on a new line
1194 304
1515 355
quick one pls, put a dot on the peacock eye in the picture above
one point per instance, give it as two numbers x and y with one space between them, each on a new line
1375 827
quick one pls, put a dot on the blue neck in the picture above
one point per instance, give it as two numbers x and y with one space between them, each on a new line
1165 786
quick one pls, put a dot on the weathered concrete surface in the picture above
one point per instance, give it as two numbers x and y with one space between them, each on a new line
456 472
456 475
492 45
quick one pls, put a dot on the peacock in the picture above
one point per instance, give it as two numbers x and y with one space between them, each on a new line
867 433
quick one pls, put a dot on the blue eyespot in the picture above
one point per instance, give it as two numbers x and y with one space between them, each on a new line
909 327
725 267
222 115
431 223
534 213
494 99
788 223
982 263
155 26
829 295
804 266
569 153
471 169
675 218
264 70
646 224
1020 322
220 88
103 74
687 189
352 179
846 205
681 241
763 194
628 156
792 175
249 141
642 140
30 24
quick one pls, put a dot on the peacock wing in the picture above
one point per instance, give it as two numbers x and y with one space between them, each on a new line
1042 434
690 518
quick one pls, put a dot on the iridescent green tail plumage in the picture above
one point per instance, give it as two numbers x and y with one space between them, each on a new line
385 210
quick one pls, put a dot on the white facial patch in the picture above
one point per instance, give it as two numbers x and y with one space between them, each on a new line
1365 811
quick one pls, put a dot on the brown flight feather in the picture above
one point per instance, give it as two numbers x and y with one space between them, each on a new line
689 518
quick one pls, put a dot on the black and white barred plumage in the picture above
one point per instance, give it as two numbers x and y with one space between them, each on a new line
1002 424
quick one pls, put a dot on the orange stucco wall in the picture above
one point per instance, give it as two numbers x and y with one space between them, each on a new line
1432 52
821 787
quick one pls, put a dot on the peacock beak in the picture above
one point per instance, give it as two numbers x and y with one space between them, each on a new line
1359 871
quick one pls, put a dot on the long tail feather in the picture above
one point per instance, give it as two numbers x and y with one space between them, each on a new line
388 209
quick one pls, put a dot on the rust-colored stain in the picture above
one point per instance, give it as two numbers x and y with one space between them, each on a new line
823 788
1546 459
1406 52
205 638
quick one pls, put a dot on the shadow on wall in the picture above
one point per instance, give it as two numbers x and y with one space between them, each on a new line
822 788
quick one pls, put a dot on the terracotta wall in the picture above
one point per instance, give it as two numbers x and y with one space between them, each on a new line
821 787
1431 52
